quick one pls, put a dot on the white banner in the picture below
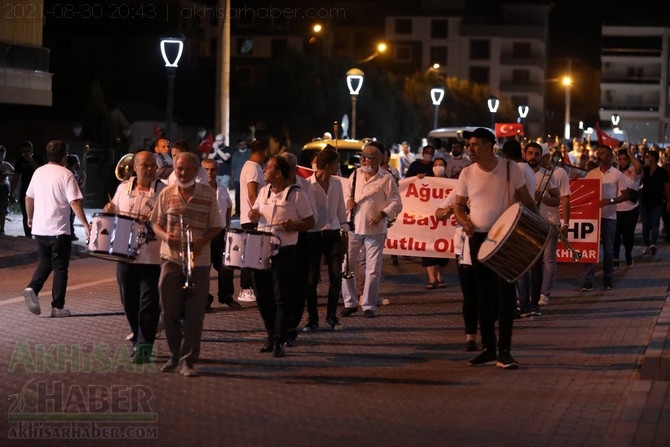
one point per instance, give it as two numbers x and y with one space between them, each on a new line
417 232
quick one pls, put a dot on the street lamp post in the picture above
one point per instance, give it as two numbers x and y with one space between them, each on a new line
493 104
171 50
616 119
354 83
567 82
436 95
523 113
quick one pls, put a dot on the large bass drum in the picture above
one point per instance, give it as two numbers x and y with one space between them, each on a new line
515 241
115 237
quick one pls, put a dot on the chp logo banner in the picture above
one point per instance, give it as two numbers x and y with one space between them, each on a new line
584 230
417 232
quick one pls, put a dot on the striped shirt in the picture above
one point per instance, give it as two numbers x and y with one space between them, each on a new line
200 213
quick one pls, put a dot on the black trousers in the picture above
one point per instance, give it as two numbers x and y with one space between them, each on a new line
495 298
625 232
245 273
138 285
466 277
325 244
275 293
53 253
225 286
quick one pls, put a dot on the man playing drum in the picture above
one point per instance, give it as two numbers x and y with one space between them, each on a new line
490 185
138 280
283 210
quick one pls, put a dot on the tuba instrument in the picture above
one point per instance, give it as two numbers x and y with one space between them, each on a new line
124 168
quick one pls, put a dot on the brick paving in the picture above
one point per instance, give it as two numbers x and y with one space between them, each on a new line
397 380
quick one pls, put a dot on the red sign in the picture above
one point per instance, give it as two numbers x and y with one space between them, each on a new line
584 231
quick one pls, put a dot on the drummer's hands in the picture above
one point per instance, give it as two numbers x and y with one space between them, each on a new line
469 228
110 208
87 231
254 215
289 225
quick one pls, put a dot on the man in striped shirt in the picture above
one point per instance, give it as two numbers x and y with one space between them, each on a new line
194 205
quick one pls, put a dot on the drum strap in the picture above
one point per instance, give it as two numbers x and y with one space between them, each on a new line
509 189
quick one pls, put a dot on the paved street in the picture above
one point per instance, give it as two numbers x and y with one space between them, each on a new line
400 379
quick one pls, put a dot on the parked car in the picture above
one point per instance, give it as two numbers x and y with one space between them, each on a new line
450 134
348 150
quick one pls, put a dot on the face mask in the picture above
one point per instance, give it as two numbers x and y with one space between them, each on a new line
366 169
242 149
185 185
438 171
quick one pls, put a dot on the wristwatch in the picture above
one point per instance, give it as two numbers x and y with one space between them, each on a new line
612 201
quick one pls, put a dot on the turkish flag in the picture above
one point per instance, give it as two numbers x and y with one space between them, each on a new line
605 139
509 129
304 172
205 145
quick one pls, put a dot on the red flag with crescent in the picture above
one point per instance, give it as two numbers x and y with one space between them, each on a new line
508 129
605 139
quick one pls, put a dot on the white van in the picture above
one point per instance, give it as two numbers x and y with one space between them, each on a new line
450 134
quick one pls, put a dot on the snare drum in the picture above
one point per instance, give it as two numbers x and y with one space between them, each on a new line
115 237
249 249
515 241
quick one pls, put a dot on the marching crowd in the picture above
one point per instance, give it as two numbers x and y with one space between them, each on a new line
294 225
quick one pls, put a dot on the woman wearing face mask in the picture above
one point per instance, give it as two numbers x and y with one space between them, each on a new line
435 266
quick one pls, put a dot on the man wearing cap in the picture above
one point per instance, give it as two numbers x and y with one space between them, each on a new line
488 187
372 198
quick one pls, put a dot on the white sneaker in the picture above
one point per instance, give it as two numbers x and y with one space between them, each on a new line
646 251
59 313
31 301
246 295
383 302
544 300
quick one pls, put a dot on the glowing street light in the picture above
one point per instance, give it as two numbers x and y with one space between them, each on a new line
493 103
567 82
523 112
354 83
171 50
381 48
615 120
436 95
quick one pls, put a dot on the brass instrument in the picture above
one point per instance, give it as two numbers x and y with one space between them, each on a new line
187 261
347 273
576 256
124 168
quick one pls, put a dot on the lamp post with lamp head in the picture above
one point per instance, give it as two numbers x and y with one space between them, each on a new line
171 50
493 103
354 83
436 95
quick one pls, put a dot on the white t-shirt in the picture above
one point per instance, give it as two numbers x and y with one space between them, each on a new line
542 176
633 182
139 204
52 187
456 165
251 172
531 181
488 192
224 201
611 184
289 204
